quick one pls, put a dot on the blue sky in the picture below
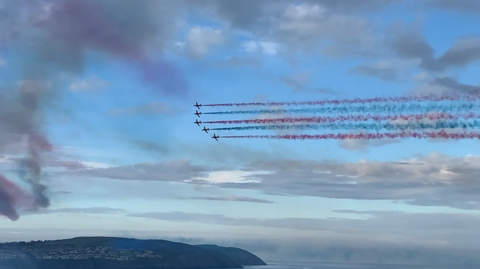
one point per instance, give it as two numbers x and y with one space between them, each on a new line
127 158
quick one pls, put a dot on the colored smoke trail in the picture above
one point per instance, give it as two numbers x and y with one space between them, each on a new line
368 136
364 126
442 108
400 99
368 117
8 192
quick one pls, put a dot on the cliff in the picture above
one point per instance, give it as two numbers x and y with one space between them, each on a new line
120 253
237 255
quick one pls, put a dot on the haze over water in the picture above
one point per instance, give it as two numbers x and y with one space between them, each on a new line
328 265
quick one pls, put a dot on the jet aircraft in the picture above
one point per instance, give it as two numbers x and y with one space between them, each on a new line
216 137
197 122
197 113
205 129
197 105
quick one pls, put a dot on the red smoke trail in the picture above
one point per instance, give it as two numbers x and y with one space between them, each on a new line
429 116
8 192
368 136
398 99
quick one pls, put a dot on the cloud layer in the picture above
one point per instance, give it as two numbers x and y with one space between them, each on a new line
232 198
406 229
425 180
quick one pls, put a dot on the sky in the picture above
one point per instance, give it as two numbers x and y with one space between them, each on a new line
97 133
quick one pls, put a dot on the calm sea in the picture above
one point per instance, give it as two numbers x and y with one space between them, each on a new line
320 265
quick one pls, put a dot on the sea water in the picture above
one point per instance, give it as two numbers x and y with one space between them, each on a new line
325 265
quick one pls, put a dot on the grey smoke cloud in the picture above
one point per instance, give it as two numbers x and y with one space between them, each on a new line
116 28
452 84
59 35
7 200
460 6
384 73
408 42
49 38
21 118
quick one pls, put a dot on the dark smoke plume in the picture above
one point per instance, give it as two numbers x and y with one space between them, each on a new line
7 199
68 31
21 118
31 168
58 36
47 39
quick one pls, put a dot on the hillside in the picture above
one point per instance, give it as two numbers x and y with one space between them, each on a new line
237 255
120 253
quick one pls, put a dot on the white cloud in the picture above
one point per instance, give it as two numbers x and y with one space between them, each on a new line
200 39
307 27
233 198
5 159
94 165
334 28
88 84
304 11
430 180
218 177
302 17
180 45
172 171
261 46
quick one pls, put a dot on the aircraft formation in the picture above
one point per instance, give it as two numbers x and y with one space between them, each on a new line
197 122
454 116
